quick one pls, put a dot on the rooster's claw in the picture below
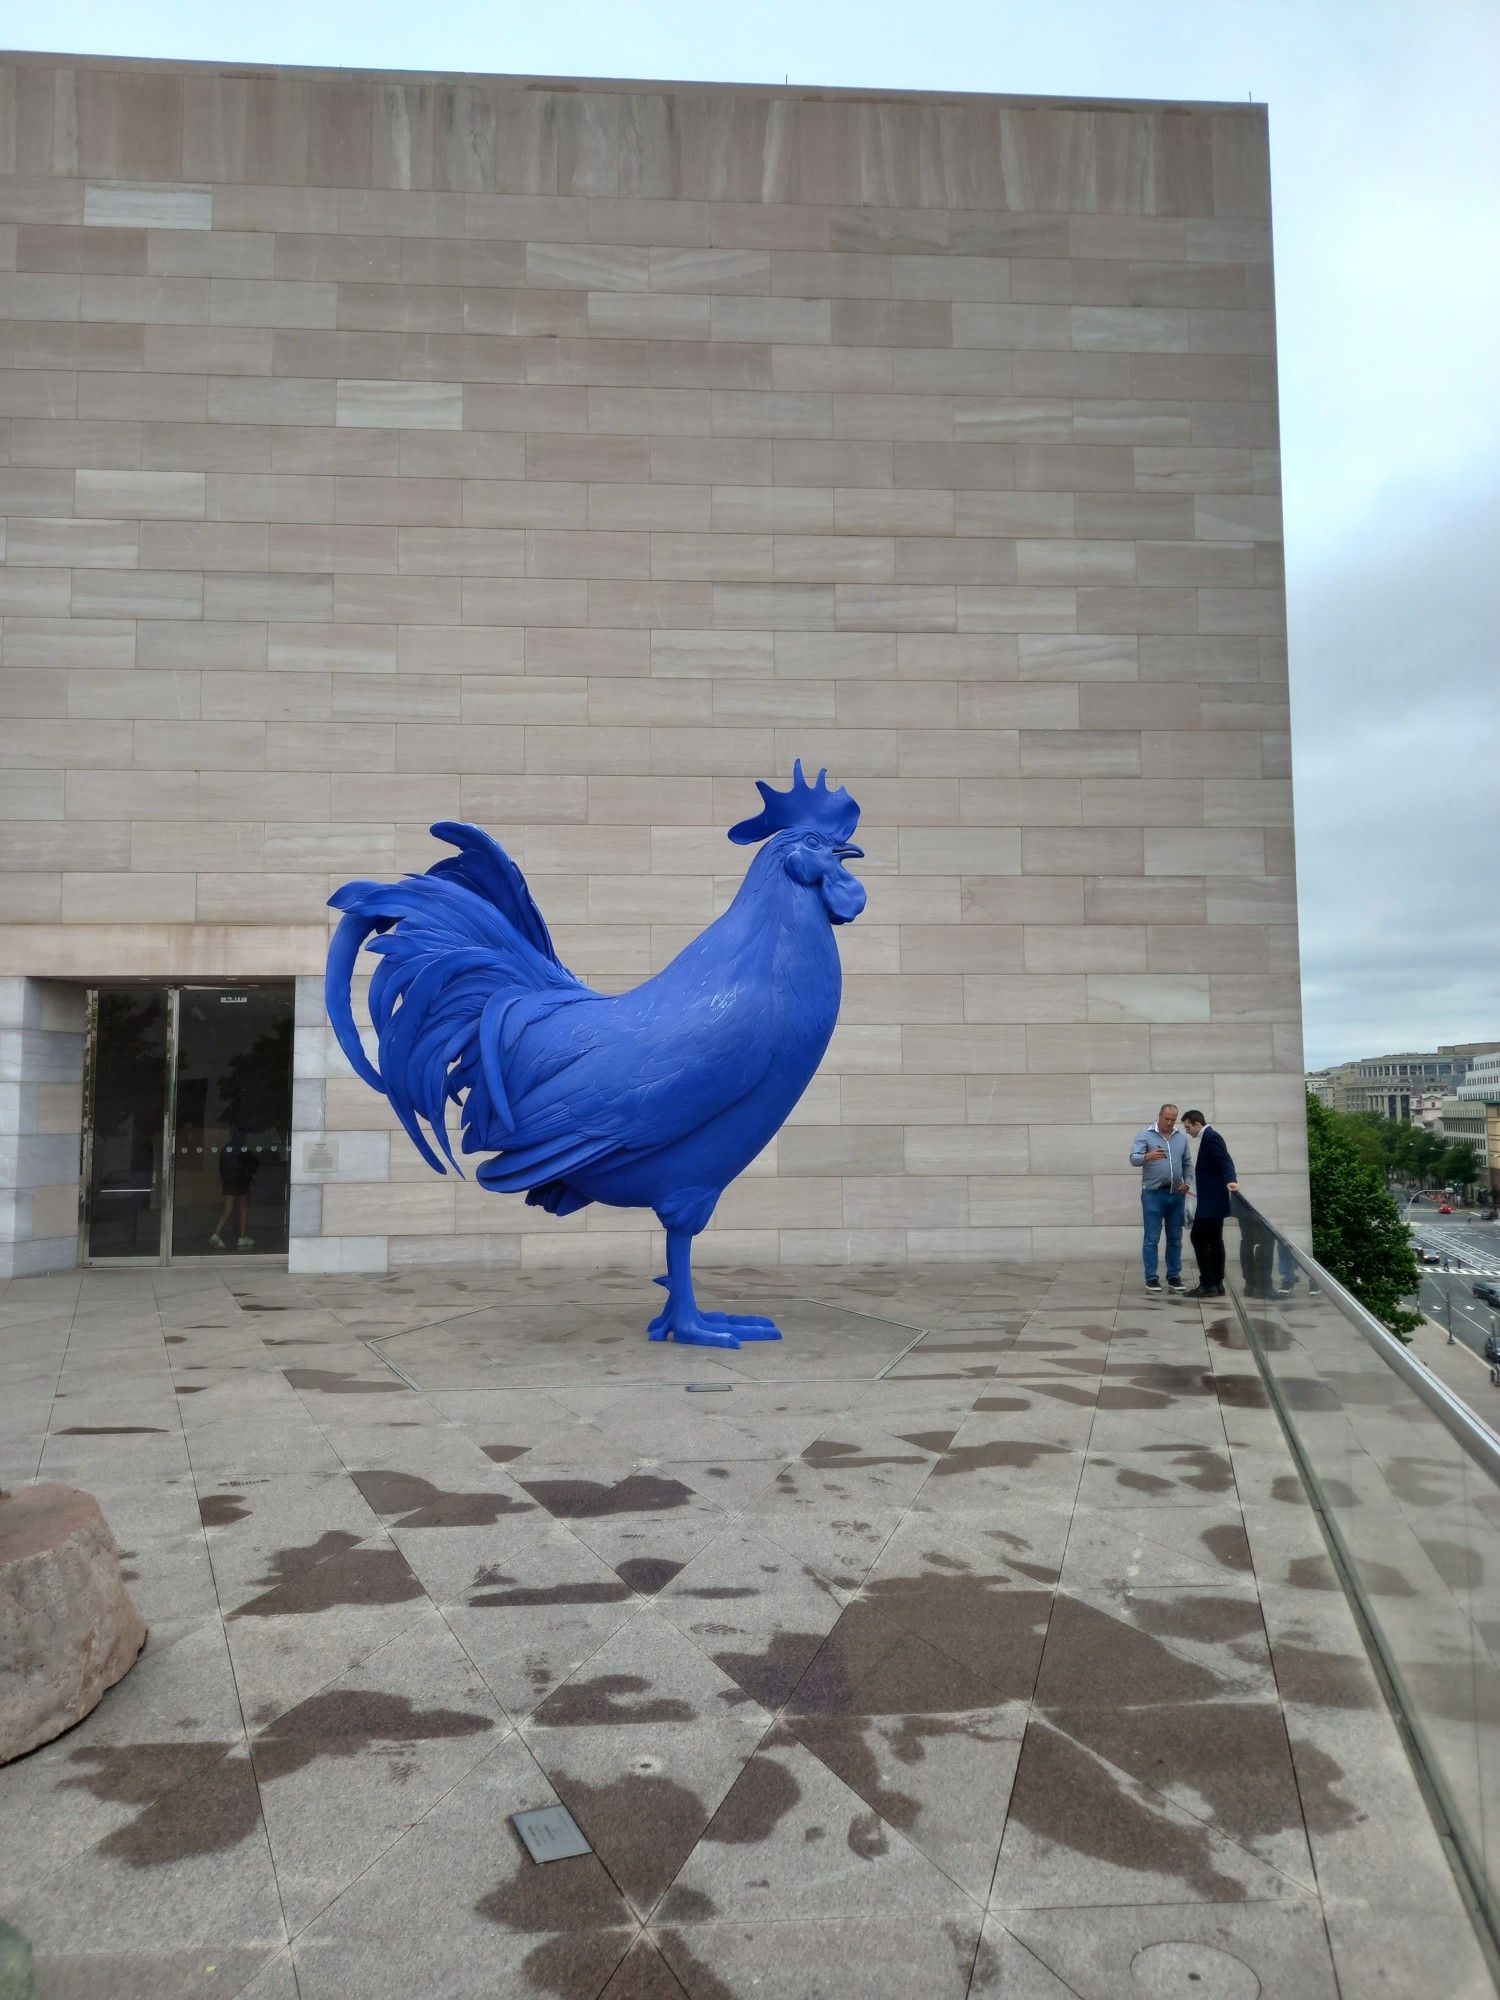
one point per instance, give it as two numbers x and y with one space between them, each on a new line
744 1326
690 1333
692 1327
710 1329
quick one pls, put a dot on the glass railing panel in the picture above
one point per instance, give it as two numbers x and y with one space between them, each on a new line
1408 1481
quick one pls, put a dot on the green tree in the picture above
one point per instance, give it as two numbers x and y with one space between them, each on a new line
1371 1136
1406 1150
1358 1233
1423 1151
1460 1164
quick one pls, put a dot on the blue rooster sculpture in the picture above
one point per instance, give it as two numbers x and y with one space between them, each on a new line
656 1098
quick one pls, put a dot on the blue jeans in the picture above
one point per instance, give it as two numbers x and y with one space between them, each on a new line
1159 1205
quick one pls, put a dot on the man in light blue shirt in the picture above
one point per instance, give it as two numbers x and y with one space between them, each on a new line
1161 1152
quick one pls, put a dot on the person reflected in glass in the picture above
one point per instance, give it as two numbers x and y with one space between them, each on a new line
238 1167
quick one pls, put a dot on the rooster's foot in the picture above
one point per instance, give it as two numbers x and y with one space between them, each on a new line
690 1328
744 1326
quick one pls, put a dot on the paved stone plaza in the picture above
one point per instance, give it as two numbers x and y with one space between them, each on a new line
1008 1662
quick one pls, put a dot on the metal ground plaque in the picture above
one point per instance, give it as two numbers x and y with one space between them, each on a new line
551 1833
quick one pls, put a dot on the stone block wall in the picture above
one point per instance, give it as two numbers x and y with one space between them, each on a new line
375 450
41 1112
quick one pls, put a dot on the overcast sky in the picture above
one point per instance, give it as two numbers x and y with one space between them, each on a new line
1385 151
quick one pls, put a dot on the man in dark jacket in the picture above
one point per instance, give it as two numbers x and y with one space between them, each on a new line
1216 1183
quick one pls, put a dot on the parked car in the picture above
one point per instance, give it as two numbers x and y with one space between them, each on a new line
1445 1208
1488 1292
1489 1215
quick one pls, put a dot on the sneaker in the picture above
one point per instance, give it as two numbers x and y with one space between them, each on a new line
218 1242
245 1243
1153 1284
1174 1284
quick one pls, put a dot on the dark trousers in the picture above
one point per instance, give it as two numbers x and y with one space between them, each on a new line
1208 1247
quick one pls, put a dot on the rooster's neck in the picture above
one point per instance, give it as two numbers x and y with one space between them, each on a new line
770 901
780 928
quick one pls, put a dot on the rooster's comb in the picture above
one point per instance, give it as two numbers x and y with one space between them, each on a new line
833 813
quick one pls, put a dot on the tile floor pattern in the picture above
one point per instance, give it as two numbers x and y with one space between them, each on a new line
1008 1663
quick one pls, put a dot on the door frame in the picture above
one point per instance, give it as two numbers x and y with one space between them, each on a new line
173 991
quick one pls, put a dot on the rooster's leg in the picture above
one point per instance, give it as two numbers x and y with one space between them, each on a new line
680 1317
685 1321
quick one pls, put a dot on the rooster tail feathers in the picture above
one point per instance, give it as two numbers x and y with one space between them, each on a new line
343 951
458 948
482 864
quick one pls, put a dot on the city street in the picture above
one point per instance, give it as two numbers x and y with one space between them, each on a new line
1472 1320
1473 1252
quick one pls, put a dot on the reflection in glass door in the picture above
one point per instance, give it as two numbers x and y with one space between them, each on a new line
126 1166
232 1126
188 1130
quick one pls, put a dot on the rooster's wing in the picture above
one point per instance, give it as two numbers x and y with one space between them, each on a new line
596 1085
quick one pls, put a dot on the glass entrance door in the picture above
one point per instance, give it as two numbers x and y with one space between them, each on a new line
232 1121
126 1180
188 1126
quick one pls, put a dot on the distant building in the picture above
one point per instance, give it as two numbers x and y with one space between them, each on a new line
1319 1085
1386 1085
1483 1080
1426 1109
1474 1114
1479 1122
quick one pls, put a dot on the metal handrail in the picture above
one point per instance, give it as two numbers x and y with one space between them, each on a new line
1477 1439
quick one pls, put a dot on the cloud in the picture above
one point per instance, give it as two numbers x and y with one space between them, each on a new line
1395 667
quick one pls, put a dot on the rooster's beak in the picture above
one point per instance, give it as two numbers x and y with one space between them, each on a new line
847 851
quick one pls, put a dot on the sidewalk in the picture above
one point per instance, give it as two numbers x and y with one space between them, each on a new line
1458 1368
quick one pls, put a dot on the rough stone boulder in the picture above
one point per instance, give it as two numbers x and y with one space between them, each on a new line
68 1629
